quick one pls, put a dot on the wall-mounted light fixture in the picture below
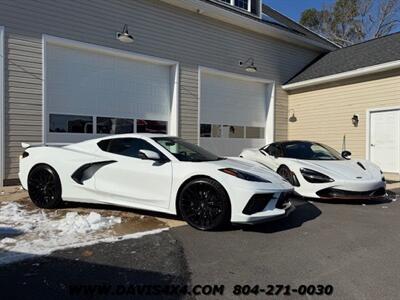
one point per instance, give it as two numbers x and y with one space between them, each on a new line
292 118
124 36
248 65
355 120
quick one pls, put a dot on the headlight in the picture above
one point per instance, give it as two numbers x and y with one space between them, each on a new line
314 176
244 175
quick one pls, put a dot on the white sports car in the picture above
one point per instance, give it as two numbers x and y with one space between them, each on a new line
318 171
155 172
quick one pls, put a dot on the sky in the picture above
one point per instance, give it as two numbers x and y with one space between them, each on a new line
294 8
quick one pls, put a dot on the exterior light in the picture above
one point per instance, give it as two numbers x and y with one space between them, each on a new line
292 118
124 36
248 65
355 120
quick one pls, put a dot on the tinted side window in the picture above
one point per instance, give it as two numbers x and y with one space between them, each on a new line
127 146
274 150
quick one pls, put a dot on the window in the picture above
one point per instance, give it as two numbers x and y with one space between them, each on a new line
310 151
255 133
114 125
232 131
210 130
151 126
185 151
71 123
274 150
127 147
243 4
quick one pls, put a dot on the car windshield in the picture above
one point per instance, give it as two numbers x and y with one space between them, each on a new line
185 151
309 151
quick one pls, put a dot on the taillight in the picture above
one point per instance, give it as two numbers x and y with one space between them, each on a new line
25 154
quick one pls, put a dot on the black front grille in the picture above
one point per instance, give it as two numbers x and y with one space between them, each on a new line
336 193
283 200
257 203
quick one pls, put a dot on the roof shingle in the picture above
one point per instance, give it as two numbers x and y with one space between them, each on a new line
365 54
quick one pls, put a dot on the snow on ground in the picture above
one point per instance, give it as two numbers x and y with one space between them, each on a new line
26 233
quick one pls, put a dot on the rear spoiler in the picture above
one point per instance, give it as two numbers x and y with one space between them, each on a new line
26 145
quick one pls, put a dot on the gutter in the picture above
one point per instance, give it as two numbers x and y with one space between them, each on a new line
344 75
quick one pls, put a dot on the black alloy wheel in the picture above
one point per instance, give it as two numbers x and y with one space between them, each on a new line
44 187
286 174
204 204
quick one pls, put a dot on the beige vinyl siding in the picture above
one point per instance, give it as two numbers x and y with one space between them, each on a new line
324 113
160 30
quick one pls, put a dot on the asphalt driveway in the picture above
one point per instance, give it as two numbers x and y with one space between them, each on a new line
351 246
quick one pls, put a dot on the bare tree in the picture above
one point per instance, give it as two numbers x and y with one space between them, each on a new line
351 21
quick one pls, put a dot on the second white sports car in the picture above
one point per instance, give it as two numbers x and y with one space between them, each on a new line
318 171
155 172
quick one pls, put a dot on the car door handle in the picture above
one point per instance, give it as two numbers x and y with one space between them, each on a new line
372 145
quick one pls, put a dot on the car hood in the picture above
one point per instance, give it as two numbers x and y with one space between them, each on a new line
253 168
343 169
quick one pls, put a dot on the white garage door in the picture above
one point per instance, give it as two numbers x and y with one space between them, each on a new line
91 93
385 140
233 113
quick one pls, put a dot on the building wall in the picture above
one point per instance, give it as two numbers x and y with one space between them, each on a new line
159 29
324 113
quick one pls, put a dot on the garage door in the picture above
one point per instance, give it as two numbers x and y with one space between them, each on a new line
233 113
385 140
92 93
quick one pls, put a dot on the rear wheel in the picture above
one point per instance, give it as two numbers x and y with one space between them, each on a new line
285 172
44 187
204 204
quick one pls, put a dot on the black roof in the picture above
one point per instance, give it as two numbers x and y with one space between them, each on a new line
373 52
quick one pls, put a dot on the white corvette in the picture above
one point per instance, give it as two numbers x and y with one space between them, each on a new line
155 172
318 171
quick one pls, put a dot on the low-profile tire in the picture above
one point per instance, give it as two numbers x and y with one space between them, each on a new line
44 187
204 204
285 172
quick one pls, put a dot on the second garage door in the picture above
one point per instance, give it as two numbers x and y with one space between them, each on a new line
234 113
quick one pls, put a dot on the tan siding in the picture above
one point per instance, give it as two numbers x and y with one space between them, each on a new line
324 114
160 30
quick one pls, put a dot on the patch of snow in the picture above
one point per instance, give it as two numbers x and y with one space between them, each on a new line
8 241
41 233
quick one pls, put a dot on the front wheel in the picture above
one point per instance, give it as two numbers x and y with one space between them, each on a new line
44 187
204 204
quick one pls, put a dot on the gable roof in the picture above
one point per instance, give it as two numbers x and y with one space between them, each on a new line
379 51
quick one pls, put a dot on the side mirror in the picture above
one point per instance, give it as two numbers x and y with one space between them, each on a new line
346 154
149 155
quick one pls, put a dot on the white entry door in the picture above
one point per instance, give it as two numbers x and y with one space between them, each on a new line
385 140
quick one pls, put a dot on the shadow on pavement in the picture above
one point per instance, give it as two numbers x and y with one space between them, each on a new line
58 278
304 212
102 271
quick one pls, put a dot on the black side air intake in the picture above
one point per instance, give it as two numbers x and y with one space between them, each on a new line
86 171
